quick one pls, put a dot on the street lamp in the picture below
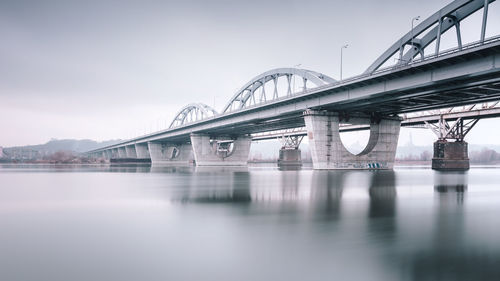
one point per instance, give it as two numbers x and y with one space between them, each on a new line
412 21
295 66
341 49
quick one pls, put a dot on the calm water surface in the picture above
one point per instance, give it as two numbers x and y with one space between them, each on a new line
256 223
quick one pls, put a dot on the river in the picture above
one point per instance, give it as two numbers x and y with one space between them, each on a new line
252 223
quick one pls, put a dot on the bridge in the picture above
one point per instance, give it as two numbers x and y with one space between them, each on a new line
421 80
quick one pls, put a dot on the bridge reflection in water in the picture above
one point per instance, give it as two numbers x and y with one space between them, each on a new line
348 210
419 240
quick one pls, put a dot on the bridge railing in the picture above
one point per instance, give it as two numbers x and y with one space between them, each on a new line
420 60
458 49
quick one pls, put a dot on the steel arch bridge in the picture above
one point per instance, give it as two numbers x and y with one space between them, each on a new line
467 74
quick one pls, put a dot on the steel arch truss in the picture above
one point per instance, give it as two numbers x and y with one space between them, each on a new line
456 130
431 29
254 92
192 113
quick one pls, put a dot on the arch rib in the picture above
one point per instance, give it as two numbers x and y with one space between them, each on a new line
192 112
447 17
247 92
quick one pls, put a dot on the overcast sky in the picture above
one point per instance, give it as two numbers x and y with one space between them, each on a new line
113 69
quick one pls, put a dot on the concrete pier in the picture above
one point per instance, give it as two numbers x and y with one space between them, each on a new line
130 151
162 153
222 151
450 155
328 152
142 151
290 157
114 153
109 153
122 153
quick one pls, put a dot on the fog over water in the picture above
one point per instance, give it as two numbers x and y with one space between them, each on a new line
255 223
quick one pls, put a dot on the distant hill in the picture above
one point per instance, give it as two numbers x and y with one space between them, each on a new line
53 146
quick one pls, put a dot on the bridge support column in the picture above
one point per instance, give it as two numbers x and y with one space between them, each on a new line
328 152
290 154
220 151
290 157
122 153
170 153
130 151
109 153
450 155
142 151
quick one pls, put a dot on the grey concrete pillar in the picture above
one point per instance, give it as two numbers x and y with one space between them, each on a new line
114 153
169 153
122 153
130 151
290 157
328 152
450 156
220 152
109 154
142 150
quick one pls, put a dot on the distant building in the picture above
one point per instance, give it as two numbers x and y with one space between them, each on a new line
1 152
23 153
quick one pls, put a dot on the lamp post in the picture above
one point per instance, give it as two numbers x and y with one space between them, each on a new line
341 49
295 66
412 21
